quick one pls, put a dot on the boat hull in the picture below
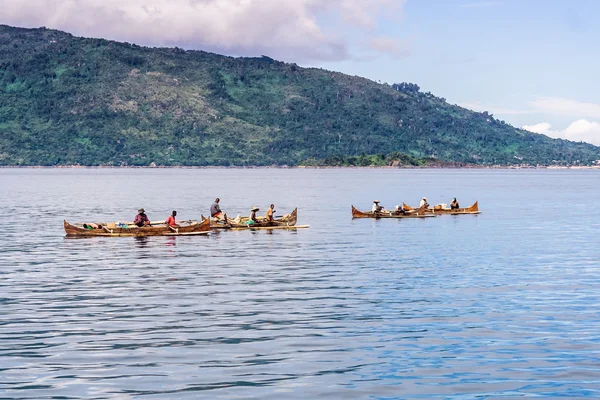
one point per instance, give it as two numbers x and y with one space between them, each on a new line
287 222
193 229
474 209
419 213
269 228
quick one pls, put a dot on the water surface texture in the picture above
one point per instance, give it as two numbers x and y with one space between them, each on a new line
504 304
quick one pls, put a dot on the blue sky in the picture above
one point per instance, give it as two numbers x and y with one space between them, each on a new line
530 62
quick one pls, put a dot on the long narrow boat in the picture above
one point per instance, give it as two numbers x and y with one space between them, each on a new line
111 229
419 213
474 209
288 221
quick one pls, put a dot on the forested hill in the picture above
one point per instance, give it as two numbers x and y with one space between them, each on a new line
66 100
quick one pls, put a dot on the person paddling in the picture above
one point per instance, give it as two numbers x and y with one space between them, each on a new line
141 219
424 203
171 220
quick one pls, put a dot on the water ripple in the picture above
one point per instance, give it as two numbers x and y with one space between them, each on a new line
504 304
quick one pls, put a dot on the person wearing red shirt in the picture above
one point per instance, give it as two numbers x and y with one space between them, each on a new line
171 220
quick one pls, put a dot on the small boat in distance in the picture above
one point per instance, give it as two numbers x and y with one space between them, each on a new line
288 221
112 229
412 213
439 209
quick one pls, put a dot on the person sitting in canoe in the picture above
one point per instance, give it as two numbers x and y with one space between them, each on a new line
171 220
252 220
454 205
141 219
215 210
270 212
376 207
424 203
399 210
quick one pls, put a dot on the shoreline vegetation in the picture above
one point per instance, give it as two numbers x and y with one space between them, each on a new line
496 167
67 101
380 161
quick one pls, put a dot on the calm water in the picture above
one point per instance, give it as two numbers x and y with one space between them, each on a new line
503 304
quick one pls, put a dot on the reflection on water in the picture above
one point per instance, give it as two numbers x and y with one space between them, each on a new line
503 304
141 241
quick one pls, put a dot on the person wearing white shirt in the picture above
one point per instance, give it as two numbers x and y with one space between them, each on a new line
376 207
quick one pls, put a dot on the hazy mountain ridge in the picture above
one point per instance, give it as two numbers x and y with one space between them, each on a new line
67 100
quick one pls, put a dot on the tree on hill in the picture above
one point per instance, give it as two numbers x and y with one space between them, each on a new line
68 100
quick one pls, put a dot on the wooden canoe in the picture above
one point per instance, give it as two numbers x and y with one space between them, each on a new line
438 210
419 213
286 222
269 227
214 224
190 229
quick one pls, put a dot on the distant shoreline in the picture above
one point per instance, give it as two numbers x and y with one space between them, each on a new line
499 167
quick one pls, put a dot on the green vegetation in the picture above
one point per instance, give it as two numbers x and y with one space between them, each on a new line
378 160
67 100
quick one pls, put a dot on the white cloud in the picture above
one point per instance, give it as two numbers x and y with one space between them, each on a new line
292 30
565 107
555 106
579 131
542 127
583 130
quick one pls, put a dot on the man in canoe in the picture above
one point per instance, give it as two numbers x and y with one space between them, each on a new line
270 212
215 210
171 220
141 219
252 220
376 207
424 203
399 210
454 205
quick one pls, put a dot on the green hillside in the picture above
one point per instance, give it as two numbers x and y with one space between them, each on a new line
67 100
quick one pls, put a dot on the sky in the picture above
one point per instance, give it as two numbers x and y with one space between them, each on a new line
532 63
